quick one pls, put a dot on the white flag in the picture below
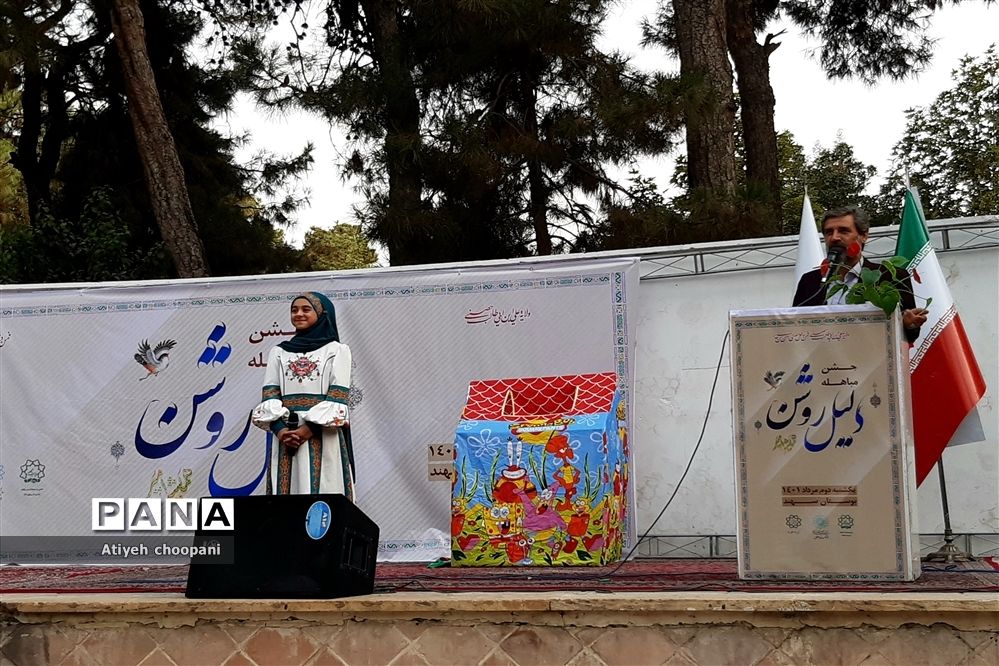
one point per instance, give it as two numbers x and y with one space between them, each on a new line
810 254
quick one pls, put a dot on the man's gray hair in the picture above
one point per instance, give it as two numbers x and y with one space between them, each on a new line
860 219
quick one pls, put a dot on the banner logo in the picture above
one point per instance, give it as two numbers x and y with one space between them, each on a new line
32 471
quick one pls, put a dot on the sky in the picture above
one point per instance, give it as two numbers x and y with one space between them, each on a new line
813 108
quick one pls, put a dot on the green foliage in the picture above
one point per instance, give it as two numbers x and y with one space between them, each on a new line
834 177
711 218
951 147
85 142
520 115
871 288
792 165
646 220
10 101
342 247
531 118
96 246
13 198
868 40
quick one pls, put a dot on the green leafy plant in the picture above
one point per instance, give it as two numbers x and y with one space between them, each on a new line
873 289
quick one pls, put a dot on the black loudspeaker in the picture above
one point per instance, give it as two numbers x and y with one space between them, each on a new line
287 547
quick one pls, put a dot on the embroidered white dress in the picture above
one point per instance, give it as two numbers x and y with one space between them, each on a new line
316 385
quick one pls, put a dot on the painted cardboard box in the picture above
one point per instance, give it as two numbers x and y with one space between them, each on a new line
541 472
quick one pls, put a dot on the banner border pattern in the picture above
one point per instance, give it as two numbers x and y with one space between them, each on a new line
438 289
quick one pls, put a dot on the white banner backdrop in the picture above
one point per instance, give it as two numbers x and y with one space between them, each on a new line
80 418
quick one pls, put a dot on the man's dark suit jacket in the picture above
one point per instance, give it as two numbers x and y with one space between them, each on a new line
811 292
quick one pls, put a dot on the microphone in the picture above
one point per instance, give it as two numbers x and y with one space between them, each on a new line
293 422
834 258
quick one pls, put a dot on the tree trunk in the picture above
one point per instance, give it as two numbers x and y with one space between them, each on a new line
43 102
157 151
404 232
535 175
756 97
700 32
25 158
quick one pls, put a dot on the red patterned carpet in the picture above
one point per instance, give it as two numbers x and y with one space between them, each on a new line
643 575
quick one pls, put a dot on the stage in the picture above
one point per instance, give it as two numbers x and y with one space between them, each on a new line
645 612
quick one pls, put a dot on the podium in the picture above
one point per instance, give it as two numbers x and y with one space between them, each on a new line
822 432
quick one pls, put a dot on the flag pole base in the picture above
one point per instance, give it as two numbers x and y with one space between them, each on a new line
949 553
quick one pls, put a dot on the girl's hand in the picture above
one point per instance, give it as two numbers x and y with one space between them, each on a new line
289 437
304 433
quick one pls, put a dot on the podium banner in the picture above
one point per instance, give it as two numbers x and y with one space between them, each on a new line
822 429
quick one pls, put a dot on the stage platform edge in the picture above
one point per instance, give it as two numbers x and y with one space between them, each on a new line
515 629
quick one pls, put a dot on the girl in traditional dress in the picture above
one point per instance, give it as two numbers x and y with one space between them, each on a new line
304 404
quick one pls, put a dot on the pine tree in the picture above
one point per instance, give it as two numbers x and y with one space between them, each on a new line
518 115
950 148
77 153
339 248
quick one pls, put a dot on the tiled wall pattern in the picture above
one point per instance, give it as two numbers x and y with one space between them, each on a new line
356 641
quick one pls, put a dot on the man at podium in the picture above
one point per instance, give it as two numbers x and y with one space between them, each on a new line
844 231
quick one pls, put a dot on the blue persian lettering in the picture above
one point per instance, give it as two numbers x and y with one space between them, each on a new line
837 412
151 450
216 489
859 419
216 423
212 354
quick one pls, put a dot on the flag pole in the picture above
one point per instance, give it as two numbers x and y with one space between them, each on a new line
948 553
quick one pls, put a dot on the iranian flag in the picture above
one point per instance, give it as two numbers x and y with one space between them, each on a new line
946 380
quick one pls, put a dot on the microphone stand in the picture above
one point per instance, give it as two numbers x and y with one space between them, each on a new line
948 553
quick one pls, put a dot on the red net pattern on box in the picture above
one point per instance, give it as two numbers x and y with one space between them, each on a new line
526 397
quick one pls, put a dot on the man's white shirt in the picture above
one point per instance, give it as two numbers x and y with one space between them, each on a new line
851 278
